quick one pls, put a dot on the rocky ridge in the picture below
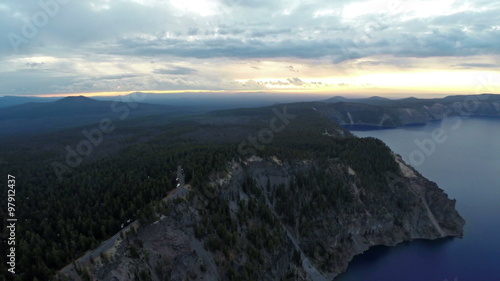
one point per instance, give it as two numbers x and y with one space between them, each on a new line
308 243
397 113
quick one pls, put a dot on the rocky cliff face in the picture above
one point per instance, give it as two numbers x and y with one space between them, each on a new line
268 219
401 113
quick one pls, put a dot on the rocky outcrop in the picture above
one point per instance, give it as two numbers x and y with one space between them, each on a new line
315 232
396 113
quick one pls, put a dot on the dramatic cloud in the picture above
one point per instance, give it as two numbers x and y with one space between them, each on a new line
56 46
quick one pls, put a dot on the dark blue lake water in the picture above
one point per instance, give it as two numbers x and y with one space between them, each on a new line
463 157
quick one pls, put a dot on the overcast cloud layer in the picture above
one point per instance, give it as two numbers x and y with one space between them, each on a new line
52 46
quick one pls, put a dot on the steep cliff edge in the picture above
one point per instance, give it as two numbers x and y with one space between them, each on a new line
270 219
269 200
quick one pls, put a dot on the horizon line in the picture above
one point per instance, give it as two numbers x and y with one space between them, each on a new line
274 91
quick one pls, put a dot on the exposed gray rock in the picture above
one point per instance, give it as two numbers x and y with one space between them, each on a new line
317 247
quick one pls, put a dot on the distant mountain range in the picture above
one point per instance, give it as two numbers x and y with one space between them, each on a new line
17 100
199 101
79 105
375 100
381 112
47 115
43 117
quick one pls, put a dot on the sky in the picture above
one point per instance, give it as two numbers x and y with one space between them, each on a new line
344 47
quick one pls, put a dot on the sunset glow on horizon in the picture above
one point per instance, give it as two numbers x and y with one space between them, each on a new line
372 47
396 85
